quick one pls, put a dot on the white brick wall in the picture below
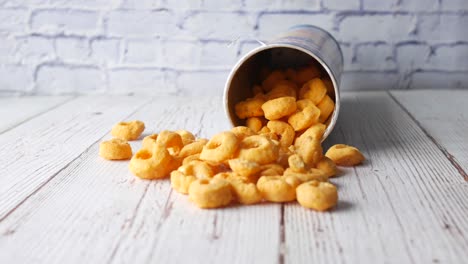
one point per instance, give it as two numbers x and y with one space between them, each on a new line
189 46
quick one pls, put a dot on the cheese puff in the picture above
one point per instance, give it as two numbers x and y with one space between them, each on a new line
152 164
187 136
115 149
193 148
273 78
316 132
170 140
309 175
254 123
149 141
210 193
306 116
282 89
250 107
326 107
310 151
245 168
313 90
128 130
242 132
258 149
279 107
222 146
327 166
316 195
284 132
306 74
276 189
344 155
181 182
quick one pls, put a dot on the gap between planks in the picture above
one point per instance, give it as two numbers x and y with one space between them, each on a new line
444 151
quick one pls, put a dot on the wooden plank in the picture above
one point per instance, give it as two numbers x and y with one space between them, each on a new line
444 117
14 111
37 150
96 211
406 204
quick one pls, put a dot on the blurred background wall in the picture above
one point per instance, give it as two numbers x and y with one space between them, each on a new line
188 46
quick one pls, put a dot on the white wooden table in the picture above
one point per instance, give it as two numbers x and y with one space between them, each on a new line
61 203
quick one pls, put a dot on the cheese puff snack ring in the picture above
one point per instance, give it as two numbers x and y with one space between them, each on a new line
198 169
344 155
265 131
310 151
152 164
317 195
281 89
245 192
296 163
190 158
271 170
284 154
292 180
258 149
309 175
245 168
115 149
193 148
170 140
128 130
250 107
187 136
316 132
254 123
149 141
313 90
279 107
273 78
242 132
181 182
307 115
284 132
276 189
326 107
305 74
327 166
222 146
210 193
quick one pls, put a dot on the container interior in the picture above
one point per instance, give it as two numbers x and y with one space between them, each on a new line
248 73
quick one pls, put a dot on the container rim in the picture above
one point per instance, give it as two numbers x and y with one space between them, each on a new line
263 47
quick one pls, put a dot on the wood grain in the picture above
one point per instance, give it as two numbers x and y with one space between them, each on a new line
444 117
14 111
96 211
406 204
37 150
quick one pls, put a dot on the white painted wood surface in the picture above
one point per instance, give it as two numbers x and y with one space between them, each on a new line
444 116
15 110
61 203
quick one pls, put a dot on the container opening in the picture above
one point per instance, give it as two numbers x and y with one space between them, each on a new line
253 69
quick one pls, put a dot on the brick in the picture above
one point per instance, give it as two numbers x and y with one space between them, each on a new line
182 4
439 80
399 5
105 51
141 81
65 21
412 56
181 54
142 51
272 24
373 56
270 5
140 4
222 26
220 55
20 78
85 4
443 28
450 58
141 23
341 5
35 49
13 20
7 49
72 49
207 83
454 5
369 81
226 5
390 28
63 79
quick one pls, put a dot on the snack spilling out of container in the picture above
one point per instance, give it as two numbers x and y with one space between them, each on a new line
282 100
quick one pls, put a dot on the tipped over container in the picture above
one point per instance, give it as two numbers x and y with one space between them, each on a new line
298 47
